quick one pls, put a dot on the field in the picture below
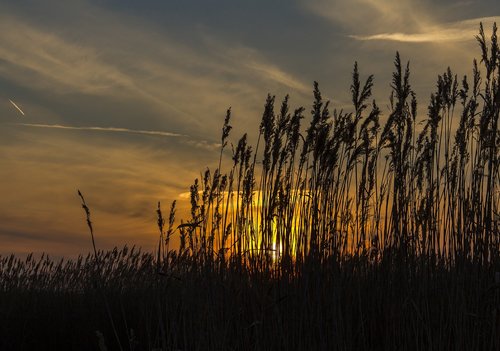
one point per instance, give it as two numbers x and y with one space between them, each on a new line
342 233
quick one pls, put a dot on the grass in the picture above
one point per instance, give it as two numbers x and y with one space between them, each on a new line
343 234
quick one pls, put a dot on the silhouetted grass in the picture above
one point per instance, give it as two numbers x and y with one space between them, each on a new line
345 234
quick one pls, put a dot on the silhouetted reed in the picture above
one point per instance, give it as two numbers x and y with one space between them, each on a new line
347 186
343 234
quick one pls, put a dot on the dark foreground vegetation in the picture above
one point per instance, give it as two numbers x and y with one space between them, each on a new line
346 234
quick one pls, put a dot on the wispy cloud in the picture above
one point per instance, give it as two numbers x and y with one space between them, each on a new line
149 69
278 75
122 182
400 20
103 129
63 65
450 32
203 144
370 14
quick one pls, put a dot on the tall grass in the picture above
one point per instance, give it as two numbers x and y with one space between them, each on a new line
345 233
424 186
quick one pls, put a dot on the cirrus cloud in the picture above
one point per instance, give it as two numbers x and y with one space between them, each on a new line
446 33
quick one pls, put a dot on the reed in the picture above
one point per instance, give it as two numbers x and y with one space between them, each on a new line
346 185
355 231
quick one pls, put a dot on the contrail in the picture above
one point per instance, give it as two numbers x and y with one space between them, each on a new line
15 105
202 144
103 129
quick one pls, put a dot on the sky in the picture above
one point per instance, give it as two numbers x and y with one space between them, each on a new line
125 99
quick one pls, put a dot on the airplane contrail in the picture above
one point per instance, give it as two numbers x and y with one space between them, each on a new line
103 129
203 144
18 108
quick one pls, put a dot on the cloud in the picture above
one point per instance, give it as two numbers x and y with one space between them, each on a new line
275 73
203 144
450 32
370 14
122 181
402 20
59 63
175 82
431 35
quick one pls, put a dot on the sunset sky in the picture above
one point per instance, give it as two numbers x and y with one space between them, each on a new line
125 99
